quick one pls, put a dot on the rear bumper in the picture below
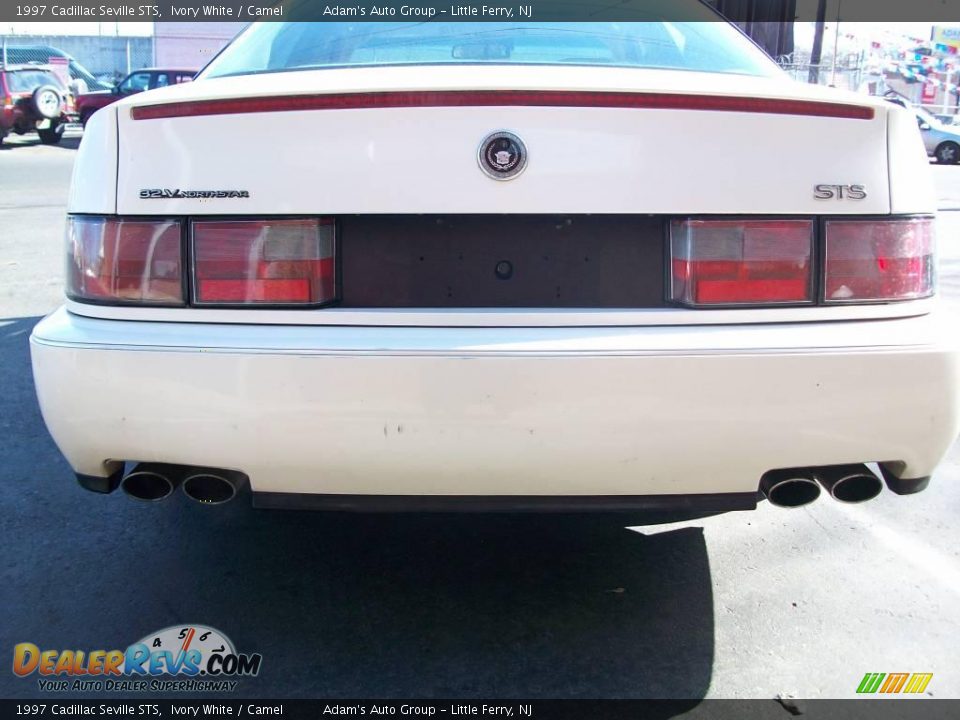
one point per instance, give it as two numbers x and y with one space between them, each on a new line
614 413
694 504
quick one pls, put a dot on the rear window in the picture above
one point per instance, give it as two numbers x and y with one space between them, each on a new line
701 46
29 80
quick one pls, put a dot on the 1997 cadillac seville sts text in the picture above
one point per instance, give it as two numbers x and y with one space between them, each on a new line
479 266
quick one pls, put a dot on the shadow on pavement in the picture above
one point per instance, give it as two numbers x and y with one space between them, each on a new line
459 606
14 142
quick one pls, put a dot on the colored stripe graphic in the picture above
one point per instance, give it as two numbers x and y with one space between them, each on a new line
870 682
894 683
918 682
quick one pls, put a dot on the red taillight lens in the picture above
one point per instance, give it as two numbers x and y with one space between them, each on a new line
124 261
741 262
870 260
275 262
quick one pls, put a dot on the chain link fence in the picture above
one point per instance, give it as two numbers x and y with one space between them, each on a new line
944 102
92 62
101 61
845 77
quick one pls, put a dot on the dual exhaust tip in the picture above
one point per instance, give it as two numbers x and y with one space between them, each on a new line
152 482
801 486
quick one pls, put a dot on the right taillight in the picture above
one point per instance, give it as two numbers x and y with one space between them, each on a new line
756 262
741 262
878 260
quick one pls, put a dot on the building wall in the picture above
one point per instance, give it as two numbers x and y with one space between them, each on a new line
191 44
100 54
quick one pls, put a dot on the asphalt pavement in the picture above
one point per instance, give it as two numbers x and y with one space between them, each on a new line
745 605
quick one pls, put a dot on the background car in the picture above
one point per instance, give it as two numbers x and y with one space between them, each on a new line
941 141
135 82
32 98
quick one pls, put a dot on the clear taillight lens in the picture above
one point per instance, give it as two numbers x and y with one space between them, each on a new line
270 262
741 262
124 261
876 260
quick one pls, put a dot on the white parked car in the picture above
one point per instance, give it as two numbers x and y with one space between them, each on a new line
479 266
941 140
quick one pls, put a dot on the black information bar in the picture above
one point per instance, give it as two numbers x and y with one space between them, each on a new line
934 11
921 708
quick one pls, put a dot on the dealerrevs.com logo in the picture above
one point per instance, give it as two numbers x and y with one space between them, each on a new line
185 658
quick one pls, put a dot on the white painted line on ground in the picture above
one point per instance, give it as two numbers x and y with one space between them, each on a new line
941 568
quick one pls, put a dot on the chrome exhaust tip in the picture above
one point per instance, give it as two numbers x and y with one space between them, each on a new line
850 483
149 482
790 488
213 487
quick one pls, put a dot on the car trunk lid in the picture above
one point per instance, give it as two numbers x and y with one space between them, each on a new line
406 140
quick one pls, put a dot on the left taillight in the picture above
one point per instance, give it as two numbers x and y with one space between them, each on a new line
264 262
113 260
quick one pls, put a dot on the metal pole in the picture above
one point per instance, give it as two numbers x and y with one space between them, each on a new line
836 42
128 56
946 90
816 53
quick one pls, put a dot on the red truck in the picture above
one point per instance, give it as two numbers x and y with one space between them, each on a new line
137 81
32 98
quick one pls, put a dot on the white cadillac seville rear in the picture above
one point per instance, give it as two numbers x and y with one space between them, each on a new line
479 266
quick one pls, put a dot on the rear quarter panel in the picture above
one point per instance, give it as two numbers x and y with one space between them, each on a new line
93 188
